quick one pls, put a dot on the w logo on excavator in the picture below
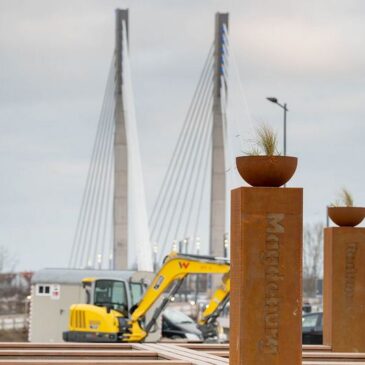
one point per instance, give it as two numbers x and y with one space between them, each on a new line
184 265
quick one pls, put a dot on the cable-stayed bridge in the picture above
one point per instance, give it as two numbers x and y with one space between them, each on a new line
113 229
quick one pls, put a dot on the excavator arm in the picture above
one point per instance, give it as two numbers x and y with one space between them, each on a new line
208 321
217 302
171 275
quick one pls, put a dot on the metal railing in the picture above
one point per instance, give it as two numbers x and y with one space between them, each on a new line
13 322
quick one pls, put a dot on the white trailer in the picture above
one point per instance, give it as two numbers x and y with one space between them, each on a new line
54 290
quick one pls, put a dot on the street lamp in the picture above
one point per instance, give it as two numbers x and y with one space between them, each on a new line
181 243
99 260
155 251
197 278
275 101
226 244
186 241
197 245
111 266
174 246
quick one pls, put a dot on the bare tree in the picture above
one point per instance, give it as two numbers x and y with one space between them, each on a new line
7 261
313 257
11 294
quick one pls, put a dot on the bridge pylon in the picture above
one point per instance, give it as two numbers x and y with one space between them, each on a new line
218 182
120 203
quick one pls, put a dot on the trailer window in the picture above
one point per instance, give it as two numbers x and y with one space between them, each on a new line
43 290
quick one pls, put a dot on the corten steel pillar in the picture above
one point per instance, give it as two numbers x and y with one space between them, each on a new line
266 276
344 289
120 211
218 188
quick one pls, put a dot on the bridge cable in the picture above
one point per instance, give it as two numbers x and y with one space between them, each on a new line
98 213
195 152
108 211
183 173
203 184
90 223
183 155
206 146
158 205
92 182
89 180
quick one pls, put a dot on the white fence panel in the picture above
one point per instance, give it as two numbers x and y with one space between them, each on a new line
13 323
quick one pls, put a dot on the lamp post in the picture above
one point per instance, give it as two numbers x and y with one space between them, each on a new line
186 245
174 246
155 251
197 278
225 243
197 245
99 260
283 106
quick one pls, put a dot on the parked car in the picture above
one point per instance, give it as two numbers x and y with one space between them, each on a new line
306 308
312 328
177 325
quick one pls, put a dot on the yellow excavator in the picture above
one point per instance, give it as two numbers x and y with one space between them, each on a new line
107 317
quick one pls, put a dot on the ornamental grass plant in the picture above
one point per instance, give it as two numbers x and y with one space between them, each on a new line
266 142
345 199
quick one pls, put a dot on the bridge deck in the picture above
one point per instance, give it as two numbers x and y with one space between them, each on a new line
149 354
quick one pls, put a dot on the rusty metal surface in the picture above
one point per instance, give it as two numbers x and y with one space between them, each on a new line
266 170
344 289
346 216
266 271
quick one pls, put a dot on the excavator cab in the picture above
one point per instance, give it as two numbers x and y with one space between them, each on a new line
108 302
111 294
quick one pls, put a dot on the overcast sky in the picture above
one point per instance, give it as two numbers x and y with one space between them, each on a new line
54 59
